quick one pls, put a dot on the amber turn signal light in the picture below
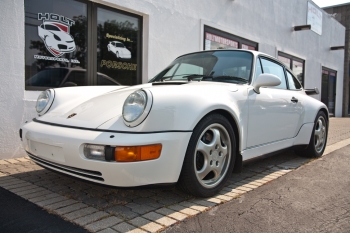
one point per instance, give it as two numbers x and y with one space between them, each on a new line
137 153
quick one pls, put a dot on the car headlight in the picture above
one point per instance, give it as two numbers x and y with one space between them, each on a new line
44 101
137 107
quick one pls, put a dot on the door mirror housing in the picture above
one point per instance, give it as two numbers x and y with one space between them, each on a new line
266 80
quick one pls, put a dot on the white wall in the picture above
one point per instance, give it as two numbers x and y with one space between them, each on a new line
172 28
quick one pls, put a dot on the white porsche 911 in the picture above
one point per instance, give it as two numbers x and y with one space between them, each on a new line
194 123
119 49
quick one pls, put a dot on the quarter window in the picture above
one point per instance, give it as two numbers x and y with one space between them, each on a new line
270 67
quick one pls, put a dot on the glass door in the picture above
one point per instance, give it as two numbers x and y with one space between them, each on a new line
328 90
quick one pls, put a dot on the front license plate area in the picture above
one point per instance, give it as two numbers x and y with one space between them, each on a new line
53 153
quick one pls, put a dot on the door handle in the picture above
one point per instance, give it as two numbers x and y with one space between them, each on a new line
294 100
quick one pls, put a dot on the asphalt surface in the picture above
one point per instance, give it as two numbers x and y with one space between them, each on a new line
313 198
20 215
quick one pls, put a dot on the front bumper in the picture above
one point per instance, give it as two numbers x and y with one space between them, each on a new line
61 149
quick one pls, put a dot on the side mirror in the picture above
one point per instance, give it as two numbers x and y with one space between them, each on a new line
266 80
69 84
314 91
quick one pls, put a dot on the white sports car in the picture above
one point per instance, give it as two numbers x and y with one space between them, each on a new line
118 48
56 38
193 124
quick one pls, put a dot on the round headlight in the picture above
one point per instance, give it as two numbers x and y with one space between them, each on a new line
136 107
44 101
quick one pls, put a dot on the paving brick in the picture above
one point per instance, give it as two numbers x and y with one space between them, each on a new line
80 213
70 208
230 194
108 230
223 197
23 159
90 218
44 197
203 202
172 213
12 161
31 186
61 204
50 201
103 223
140 209
244 188
14 185
193 206
30 191
165 221
2 162
238 191
184 210
124 227
146 225
37 194
214 200
122 211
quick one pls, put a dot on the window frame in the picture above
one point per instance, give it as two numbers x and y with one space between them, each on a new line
91 45
239 40
294 58
279 63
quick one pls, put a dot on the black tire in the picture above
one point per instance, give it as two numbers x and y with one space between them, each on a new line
214 133
313 150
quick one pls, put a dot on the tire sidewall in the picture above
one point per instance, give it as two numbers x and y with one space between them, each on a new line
190 153
311 148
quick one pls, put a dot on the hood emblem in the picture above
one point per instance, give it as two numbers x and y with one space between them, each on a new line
71 115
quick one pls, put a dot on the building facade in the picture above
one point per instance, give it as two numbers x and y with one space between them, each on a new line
341 13
59 43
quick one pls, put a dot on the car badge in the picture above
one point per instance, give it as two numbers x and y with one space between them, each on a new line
71 115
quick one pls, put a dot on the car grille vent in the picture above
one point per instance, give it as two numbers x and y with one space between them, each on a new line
82 173
62 46
70 41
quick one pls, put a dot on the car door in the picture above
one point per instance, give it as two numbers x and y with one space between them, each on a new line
275 113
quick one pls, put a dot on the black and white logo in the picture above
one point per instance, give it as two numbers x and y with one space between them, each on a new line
55 32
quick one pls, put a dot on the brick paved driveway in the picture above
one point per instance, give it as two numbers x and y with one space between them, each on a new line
107 209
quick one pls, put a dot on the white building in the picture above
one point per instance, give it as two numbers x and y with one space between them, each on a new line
57 43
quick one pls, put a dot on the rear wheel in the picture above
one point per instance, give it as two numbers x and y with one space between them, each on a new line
209 157
117 54
318 138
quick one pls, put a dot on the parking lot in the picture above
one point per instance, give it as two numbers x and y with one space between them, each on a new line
107 209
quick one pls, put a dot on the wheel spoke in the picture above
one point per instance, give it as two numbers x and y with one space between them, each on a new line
204 171
205 149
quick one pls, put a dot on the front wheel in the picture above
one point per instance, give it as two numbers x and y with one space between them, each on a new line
209 158
318 138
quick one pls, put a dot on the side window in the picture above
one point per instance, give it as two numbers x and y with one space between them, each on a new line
270 67
258 70
293 82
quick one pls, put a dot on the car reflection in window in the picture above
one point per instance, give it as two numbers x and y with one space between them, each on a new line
64 77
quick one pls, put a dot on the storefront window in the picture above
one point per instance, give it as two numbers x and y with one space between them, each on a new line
55 42
59 51
216 39
117 42
293 63
328 89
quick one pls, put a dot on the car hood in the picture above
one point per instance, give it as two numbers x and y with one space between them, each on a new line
106 109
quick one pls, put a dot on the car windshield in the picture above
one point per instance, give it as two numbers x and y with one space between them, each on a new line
51 27
218 66
120 45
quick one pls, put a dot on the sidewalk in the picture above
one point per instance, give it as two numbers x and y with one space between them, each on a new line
104 209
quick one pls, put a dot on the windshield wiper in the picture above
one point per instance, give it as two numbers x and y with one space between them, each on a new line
226 77
192 76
